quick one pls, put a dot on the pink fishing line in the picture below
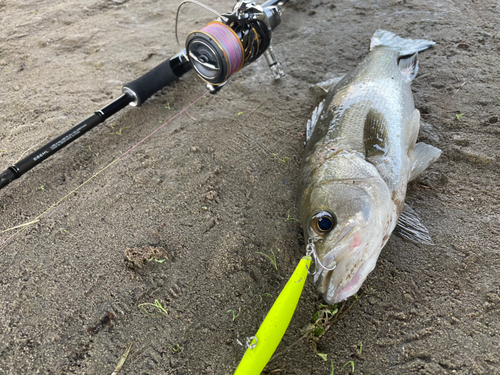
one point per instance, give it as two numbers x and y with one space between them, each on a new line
161 127
121 157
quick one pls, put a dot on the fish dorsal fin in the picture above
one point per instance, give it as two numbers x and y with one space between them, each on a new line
413 127
421 157
410 227
375 134
408 66
311 124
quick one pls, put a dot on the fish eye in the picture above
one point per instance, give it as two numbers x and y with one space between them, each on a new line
323 222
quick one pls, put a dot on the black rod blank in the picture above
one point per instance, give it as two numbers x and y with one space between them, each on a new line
35 158
71 135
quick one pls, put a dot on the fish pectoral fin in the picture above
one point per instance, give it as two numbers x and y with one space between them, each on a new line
328 84
408 66
410 227
421 157
321 89
311 124
375 134
413 128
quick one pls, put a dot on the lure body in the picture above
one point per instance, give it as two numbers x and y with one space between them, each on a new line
275 324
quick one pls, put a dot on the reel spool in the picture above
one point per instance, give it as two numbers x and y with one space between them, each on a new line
234 40
215 52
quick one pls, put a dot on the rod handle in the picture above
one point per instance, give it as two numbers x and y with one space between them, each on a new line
145 86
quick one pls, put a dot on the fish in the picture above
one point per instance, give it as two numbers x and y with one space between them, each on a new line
361 152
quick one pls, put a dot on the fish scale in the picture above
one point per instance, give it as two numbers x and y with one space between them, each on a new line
377 83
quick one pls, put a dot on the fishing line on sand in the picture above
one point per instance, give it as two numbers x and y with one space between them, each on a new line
36 219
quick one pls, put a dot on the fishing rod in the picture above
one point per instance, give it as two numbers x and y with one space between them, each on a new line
222 48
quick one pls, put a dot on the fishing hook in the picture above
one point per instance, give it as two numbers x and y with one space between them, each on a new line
311 251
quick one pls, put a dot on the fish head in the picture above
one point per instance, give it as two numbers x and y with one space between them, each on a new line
348 215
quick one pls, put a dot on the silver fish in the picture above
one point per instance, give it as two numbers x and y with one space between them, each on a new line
360 155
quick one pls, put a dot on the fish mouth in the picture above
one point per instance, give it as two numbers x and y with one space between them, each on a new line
326 267
334 295
351 288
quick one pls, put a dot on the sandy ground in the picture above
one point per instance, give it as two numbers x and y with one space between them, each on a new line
217 185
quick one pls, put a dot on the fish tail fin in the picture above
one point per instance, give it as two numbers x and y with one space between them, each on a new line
403 46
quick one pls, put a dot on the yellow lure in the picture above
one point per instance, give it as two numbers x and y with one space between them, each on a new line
275 324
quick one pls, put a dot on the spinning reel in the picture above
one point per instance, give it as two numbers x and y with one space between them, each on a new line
233 41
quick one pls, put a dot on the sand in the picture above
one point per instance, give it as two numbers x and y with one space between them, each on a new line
220 183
